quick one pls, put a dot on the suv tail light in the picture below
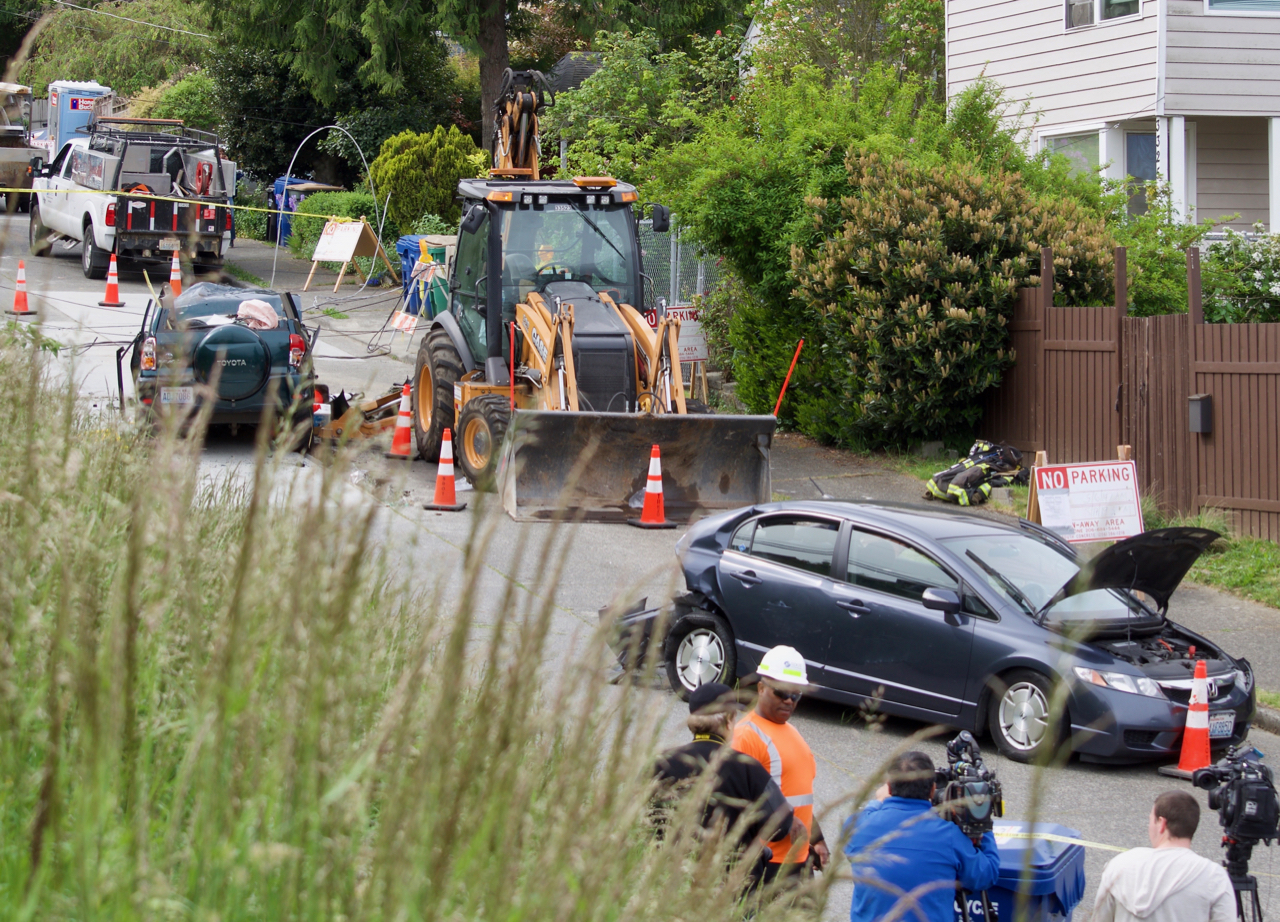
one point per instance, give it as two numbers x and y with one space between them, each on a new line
227 224
148 360
297 349
111 215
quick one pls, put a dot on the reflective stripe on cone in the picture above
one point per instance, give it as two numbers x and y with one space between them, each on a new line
446 498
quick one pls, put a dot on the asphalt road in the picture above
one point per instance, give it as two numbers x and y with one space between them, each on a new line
605 564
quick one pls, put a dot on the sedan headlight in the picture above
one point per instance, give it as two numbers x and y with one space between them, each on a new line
1244 679
1120 681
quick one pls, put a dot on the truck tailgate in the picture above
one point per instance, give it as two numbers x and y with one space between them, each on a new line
148 216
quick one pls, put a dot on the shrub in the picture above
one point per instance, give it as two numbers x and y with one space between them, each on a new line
432 224
1242 279
421 172
307 230
1157 251
252 224
190 99
718 308
911 281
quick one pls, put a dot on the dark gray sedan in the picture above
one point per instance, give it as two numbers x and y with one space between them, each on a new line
953 619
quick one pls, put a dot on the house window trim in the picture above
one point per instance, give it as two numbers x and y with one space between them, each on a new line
1245 14
1098 22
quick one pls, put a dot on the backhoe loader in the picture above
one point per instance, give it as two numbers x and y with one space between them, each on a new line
545 367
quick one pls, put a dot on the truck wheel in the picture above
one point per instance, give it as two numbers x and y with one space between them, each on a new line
437 369
39 234
482 427
94 260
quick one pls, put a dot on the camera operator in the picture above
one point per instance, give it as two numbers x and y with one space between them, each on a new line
902 850
1167 882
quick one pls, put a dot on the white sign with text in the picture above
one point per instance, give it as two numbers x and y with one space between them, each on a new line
1090 502
693 344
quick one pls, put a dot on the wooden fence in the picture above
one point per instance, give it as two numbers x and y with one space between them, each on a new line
1090 378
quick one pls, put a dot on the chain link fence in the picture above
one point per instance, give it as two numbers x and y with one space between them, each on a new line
677 269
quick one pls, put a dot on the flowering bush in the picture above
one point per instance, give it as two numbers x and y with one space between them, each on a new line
1242 278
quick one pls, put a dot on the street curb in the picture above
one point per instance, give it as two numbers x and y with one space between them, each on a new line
1265 718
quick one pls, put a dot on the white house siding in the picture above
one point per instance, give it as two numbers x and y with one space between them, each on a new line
1221 64
1082 77
1231 170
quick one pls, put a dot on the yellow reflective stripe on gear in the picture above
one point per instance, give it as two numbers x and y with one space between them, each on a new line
775 760
801 800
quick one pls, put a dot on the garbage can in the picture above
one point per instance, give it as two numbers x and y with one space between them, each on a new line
407 248
1054 881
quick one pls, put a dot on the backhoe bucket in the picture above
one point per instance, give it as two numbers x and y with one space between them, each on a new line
595 464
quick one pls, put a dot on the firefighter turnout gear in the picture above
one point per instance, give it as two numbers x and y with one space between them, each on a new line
969 482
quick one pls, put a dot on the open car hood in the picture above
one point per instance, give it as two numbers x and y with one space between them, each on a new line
1153 562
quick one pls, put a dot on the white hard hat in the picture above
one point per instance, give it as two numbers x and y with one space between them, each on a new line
783 664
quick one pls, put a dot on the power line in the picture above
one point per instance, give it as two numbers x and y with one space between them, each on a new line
140 22
75 25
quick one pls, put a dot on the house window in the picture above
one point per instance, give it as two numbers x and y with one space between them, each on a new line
1244 6
1140 165
1087 12
1080 149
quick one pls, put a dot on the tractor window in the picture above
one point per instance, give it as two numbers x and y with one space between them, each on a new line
470 266
568 240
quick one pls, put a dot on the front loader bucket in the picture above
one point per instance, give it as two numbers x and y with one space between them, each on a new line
596 464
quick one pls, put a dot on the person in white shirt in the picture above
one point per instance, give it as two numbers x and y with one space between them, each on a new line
1167 882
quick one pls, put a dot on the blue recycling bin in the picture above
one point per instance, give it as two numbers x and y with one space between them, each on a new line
1053 882
287 205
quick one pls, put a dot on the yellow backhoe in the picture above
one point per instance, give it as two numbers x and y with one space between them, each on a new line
545 367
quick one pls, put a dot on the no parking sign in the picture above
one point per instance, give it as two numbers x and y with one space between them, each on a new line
1097 501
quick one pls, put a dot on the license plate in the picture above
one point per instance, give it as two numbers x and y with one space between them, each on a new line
178 396
1221 725
170 243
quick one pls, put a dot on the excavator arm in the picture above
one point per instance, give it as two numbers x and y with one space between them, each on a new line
521 98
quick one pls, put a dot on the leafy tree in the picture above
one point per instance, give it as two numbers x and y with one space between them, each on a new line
421 173
837 37
190 99
674 22
16 18
1242 278
641 100
126 56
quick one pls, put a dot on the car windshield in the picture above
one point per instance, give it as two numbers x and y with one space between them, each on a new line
569 240
1027 570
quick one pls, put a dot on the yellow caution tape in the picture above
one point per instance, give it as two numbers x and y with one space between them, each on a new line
182 201
1050 837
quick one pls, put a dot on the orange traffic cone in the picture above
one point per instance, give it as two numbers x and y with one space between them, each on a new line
1195 738
175 275
112 297
401 441
20 307
446 498
654 514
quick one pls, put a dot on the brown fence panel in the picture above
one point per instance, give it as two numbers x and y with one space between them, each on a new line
1012 409
1235 466
1157 380
1081 377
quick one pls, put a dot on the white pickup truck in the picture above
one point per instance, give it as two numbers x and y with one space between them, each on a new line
141 194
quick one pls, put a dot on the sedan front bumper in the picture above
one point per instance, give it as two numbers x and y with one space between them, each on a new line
1109 725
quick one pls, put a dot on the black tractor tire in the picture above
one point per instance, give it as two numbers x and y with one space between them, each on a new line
438 368
1021 720
482 428
94 260
700 649
38 235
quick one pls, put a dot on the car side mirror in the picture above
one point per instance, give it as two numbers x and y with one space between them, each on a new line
37 164
946 601
661 219
472 220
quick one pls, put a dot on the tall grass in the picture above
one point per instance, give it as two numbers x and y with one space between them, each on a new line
219 703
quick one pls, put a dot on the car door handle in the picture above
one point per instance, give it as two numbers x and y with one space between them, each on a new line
855 606
748 578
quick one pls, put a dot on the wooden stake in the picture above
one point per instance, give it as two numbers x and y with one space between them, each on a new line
1124 452
1033 500
702 376
310 276
340 275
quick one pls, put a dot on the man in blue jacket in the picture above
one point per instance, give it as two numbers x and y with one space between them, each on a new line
906 857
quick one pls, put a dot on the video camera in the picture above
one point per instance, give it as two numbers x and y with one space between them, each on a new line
1243 791
967 792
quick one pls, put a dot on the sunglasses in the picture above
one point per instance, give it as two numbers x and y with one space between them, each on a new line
785 695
